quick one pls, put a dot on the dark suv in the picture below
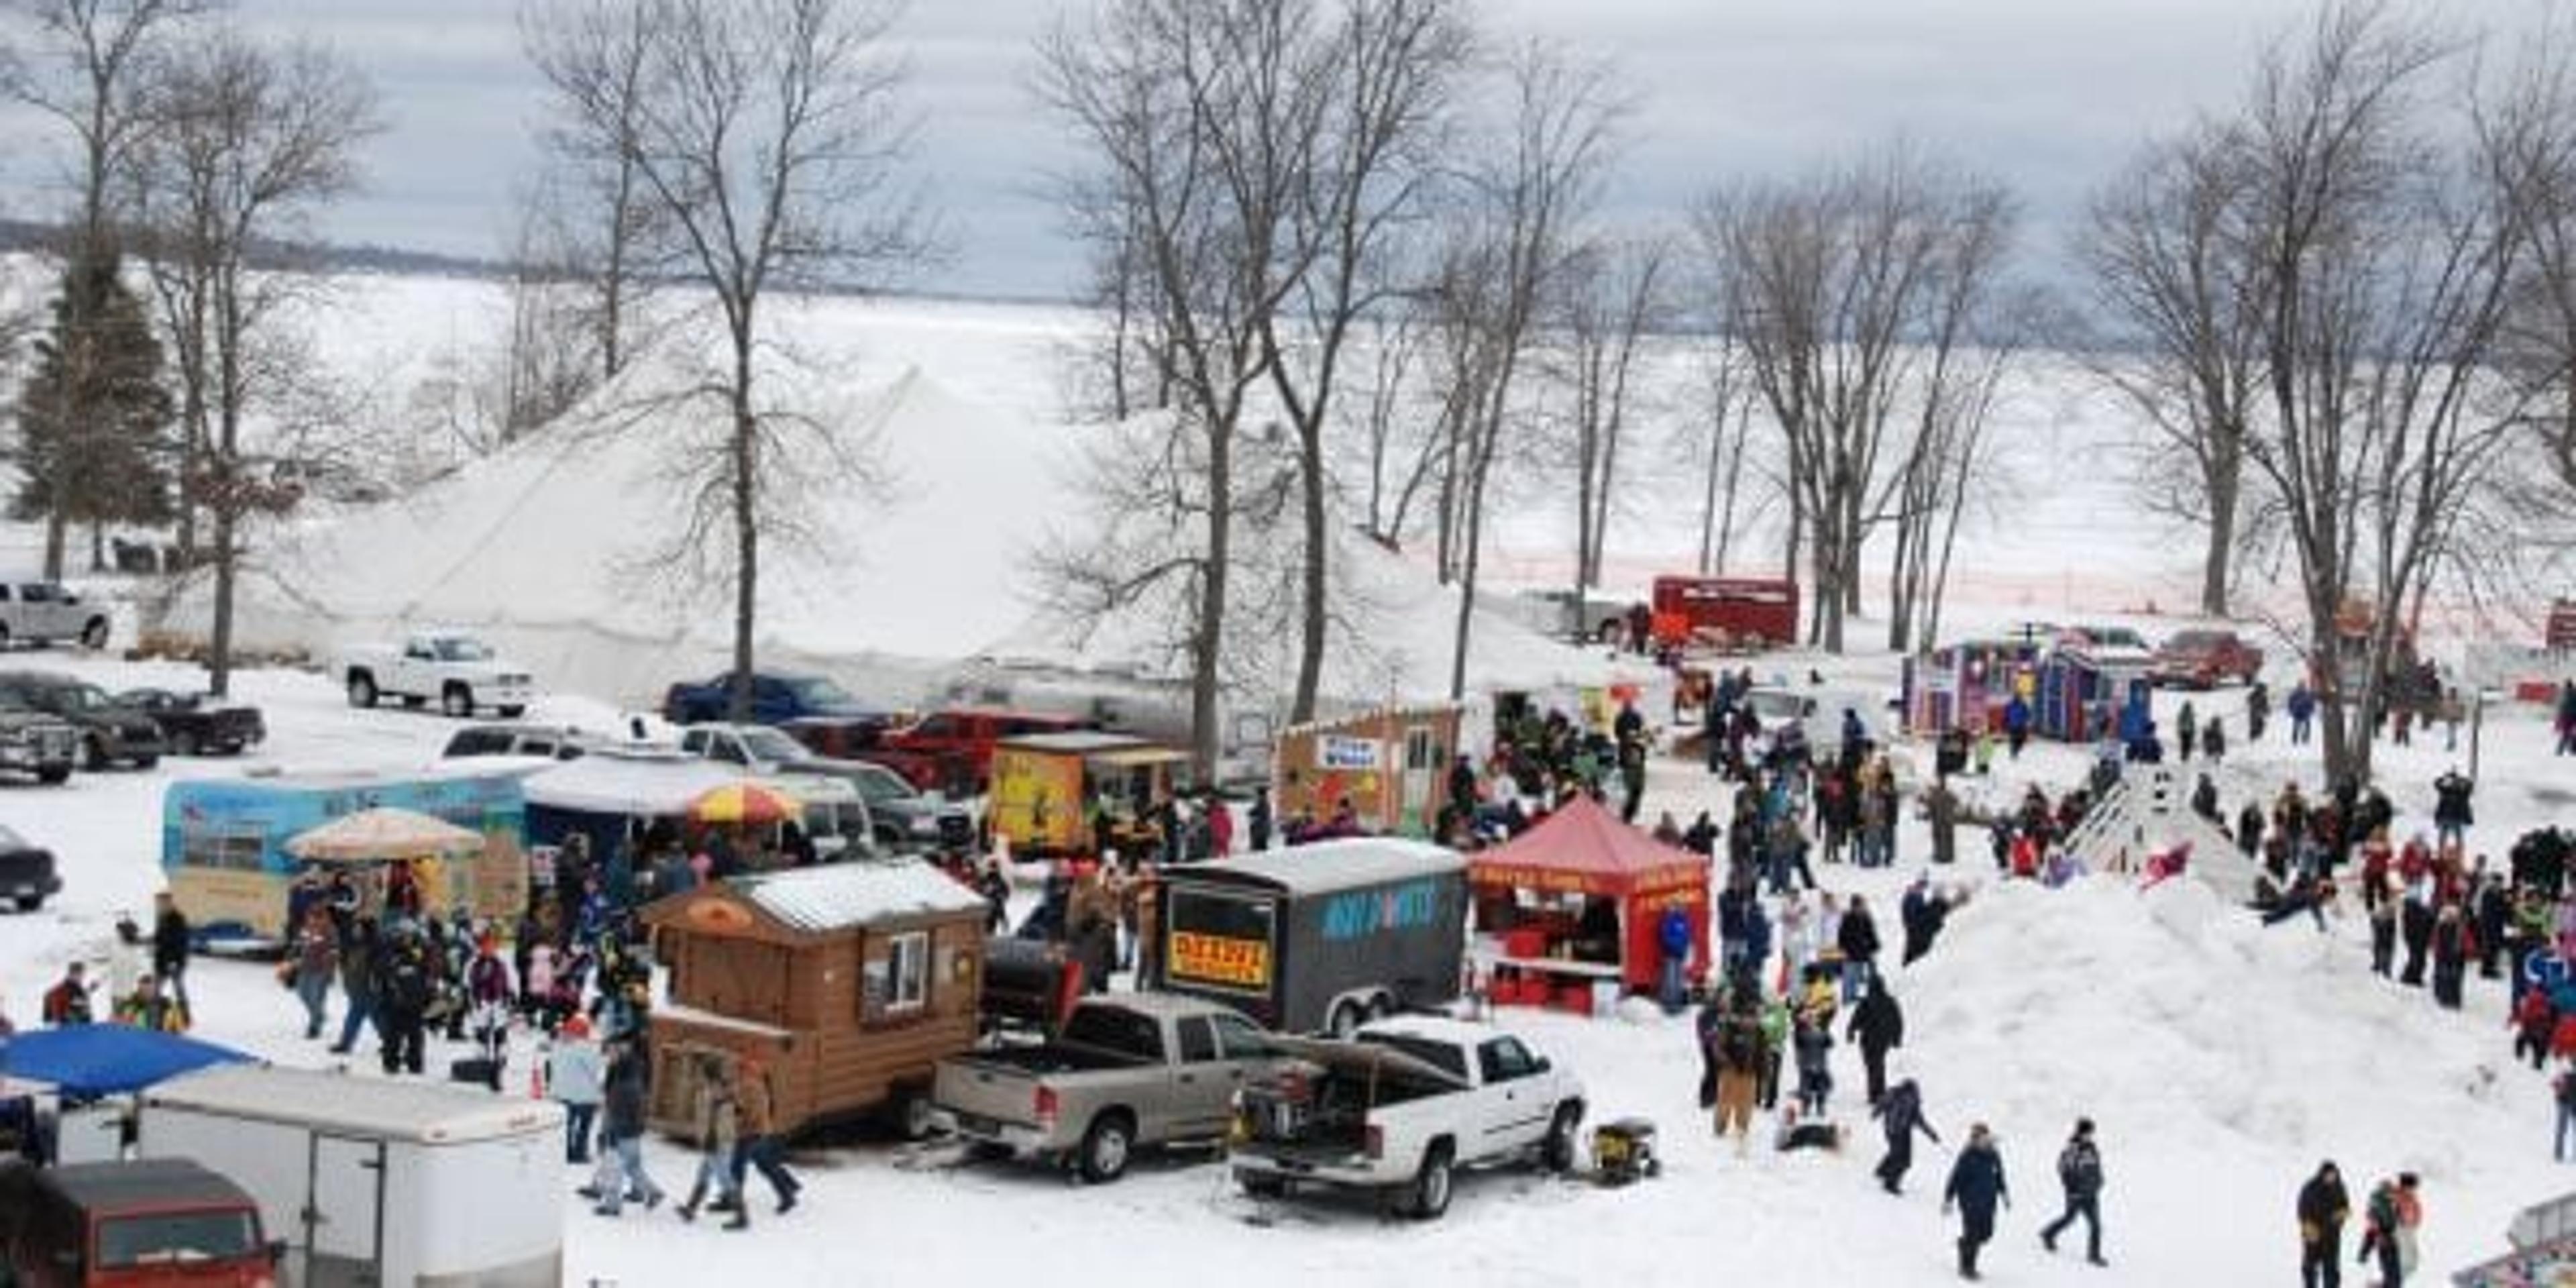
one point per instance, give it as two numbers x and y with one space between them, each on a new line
110 731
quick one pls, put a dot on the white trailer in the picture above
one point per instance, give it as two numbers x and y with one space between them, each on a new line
377 1182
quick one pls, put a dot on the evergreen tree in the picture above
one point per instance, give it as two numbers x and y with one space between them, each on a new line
93 419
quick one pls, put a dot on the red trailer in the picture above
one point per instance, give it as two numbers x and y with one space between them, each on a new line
1726 611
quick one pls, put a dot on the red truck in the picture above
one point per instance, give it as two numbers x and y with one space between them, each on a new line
1729 612
952 751
132 1225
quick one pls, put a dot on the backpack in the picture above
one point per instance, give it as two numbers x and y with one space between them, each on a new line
2382 1212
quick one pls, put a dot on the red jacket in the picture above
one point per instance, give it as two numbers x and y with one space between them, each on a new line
2563 1042
2535 1016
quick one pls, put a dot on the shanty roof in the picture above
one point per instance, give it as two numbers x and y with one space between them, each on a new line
1326 866
842 895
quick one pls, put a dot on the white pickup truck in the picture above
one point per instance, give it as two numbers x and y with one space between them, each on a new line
456 670
1399 1108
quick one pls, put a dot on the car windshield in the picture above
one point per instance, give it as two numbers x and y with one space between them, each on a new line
769 744
2115 637
877 785
176 1238
457 648
85 697
819 692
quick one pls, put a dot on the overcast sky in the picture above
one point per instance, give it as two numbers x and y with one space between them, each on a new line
2050 94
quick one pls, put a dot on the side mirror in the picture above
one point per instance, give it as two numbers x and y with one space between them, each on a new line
276 1250
1539 1064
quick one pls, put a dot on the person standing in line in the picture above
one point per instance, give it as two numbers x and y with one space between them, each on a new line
573 1077
172 943
2323 1208
1976 1186
317 964
1261 819
1900 1115
2079 1171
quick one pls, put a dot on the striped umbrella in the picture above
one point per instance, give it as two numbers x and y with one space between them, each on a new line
745 803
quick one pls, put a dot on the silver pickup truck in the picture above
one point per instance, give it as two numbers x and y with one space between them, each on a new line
1135 1069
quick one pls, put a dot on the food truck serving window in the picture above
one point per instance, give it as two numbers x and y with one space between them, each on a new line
1221 941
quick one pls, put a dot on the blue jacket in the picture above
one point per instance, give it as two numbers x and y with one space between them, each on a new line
1675 933
2016 714
1977 1180
2302 703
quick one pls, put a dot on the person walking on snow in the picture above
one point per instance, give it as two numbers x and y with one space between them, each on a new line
760 1146
2079 1172
2388 1229
1879 1026
621 1133
2301 707
573 1075
2323 1208
2451 814
2187 727
1900 1115
719 1131
1976 1186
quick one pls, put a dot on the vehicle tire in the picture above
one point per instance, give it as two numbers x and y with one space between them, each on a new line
457 702
1556 1153
94 757
1428 1196
30 902
93 634
1609 631
147 762
411 701
1379 1007
1105 1147
54 775
910 1115
1261 1185
184 743
362 689
512 712
4 638
1344 1021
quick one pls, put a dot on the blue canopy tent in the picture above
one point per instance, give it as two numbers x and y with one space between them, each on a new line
85 1061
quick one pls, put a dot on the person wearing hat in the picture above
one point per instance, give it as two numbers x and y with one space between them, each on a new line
2323 1208
2079 1170
575 1073
1976 1186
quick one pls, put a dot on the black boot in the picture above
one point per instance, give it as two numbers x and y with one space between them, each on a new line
741 1217
689 1206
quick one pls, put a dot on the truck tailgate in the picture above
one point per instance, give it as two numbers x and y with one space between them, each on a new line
984 1094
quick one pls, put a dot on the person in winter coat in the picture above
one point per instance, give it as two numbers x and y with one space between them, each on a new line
2450 956
1858 940
2016 725
621 1133
2249 830
358 981
1941 807
1924 911
1813 1040
2302 710
2187 731
1738 1056
2415 917
172 943
2079 1173
404 983
1673 941
488 992
1976 1185
2388 1229
760 1145
719 1131
2213 740
1900 1115
1878 1024
317 964
2323 1208
2533 1020
574 1074
67 1003
2563 1089
2452 816
148 1008
1262 820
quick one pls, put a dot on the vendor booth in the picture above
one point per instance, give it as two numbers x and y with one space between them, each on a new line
2083 697
1578 902
1967 685
1391 765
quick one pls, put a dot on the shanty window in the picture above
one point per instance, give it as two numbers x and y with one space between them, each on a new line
901 982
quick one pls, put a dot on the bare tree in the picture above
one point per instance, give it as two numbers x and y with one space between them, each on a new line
1529 195
553 353
2384 258
1614 299
1714 448
89 54
1402 444
2164 247
1829 282
243 144
767 137
595 55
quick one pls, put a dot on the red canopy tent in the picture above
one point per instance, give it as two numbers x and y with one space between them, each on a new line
1583 849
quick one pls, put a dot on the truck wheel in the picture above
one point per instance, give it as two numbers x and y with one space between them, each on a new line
1345 1020
146 762
54 775
457 701
362 689
1105 1148
94 756
30 902
1261 1185
1557 1154
512 713
184 743
911 1116
1429 1195
94 634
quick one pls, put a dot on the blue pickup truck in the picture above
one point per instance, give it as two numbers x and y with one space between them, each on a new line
775 699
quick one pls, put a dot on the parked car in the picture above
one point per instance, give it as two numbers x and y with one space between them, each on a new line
1400 1108
109 732
1138 1069
161 1222
546 742
2203 659
193 728
908 818
775 699
457 670
27 875
2116 645
845 737
36 744
42 612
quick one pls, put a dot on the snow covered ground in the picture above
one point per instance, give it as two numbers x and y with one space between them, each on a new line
2222 1061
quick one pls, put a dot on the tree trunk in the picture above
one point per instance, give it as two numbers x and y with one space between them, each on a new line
219 648
1207 641
2224 488
746 525
97 546
1475 523
1311 636
56 534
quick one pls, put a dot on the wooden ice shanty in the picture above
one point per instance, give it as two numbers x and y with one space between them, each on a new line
846 983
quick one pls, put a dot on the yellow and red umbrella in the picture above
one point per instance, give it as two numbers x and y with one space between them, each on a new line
744 803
